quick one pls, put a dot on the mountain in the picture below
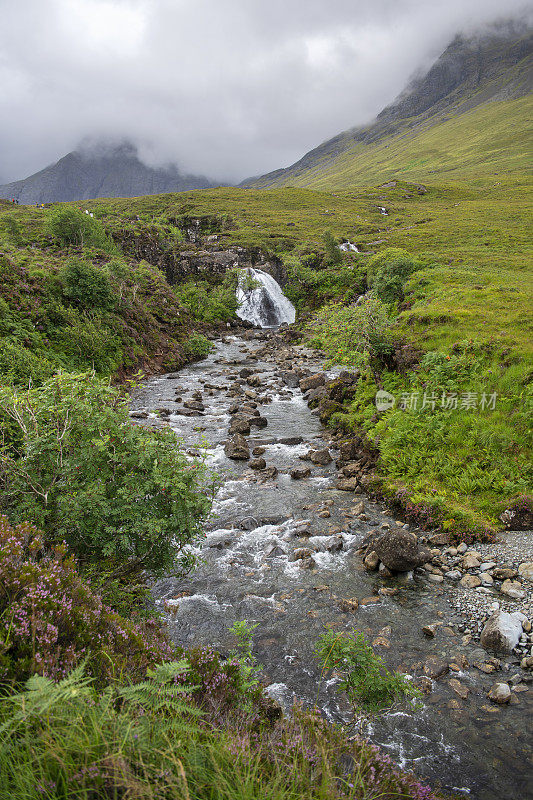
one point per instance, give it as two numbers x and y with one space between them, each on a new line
100 171
475 95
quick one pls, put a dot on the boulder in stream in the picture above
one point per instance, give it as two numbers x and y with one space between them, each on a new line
400 552
237 448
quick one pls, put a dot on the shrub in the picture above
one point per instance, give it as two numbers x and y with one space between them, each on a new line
109 488
72 227
365 679
389 271
197 347
86 285
356 335
333 257
50 619
20 365
210 304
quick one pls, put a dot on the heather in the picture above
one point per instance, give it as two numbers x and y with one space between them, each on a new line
178 734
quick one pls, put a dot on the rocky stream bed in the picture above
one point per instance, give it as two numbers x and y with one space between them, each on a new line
295 544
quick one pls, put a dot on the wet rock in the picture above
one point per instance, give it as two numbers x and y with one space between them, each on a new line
218 540
435 667
300 552
258 451
275 551
313 382
384 571
139 414
254 380
525 570
371 561
348 485
458 688
269 473
298 474
240 425
400 552
513 589
245 372
322 457
502 632
349 605
257 463
291 440
430 630
314 396
290 379
237 448
259 422
335 544
499 693
196 405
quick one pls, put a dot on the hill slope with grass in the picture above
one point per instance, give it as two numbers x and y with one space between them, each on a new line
469 116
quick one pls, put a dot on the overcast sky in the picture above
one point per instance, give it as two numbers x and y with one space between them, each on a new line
225 88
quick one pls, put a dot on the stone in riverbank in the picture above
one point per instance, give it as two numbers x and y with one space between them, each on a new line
500 693
502 632
400 551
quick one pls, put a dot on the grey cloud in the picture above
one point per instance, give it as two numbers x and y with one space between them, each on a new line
227 88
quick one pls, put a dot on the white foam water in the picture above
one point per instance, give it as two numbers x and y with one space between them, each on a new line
266 305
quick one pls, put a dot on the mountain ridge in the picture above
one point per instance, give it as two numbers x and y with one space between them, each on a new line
100 171
471 72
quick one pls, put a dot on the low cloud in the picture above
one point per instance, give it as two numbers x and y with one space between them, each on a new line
225 89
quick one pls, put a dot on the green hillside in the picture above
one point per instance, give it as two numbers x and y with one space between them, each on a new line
482 145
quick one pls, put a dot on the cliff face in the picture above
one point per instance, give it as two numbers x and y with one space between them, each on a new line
470 72
115 172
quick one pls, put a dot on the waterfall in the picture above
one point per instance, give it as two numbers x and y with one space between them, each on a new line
266 305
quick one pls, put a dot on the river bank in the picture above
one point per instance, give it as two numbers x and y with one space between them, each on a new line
254 568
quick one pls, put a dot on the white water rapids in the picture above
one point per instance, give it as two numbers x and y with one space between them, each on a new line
266 305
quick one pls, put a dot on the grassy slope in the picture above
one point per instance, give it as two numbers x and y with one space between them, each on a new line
477 145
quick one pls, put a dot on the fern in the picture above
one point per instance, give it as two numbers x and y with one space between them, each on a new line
163 691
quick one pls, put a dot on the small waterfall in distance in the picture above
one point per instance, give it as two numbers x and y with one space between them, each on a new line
266 305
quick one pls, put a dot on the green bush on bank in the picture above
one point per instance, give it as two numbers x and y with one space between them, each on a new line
71 226
80 471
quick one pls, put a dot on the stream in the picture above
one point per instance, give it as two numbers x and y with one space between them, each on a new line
469 747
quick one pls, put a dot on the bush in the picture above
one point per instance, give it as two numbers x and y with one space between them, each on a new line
72 227
210 304
110 489
356 335
389 271
50 619
364 677
197 347
333 257
20 365
86 285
